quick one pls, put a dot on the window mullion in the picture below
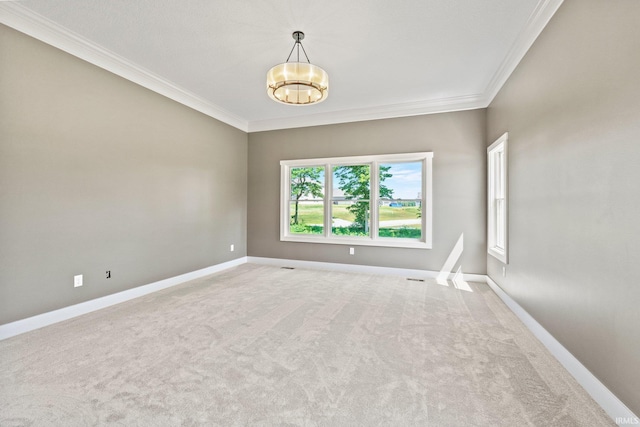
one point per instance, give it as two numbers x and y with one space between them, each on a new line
284 201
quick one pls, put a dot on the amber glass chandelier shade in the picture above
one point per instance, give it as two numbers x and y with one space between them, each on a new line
297 83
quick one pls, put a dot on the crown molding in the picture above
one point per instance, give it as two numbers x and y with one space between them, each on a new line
540 17
440 105
24 20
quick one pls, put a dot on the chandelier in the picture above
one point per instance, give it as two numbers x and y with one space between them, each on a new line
297 83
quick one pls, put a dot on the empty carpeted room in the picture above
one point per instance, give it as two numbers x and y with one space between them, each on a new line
360 213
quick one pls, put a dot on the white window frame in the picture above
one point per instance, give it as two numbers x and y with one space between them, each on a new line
497 195
425 242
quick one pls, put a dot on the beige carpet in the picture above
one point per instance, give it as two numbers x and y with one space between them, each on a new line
264 346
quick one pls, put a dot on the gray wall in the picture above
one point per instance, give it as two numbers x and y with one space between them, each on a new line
97 173
572 109
458 143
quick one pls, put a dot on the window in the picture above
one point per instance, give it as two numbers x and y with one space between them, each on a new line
365 200
497 198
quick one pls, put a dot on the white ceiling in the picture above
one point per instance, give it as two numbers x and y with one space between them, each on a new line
384 58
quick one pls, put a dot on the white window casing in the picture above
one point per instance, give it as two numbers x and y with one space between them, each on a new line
374 162
497 199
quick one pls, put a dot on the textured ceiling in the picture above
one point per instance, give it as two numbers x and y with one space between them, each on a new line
384 59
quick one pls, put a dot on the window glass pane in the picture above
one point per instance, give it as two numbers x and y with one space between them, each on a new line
402 219
400 211
500 224
307 217
350 218
500 174
306 204
350 200
307 183
351 182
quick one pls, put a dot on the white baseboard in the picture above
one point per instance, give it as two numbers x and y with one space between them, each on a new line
29 324
354 268
617 410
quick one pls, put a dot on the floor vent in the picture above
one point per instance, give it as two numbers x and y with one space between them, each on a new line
287 268
415 280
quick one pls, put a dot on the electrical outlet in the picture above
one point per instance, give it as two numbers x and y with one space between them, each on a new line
108 274
231 248
77 280
352 251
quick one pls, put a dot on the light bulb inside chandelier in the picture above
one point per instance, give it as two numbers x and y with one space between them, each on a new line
297 83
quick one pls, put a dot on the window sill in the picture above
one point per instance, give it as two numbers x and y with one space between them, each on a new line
364 241
498 254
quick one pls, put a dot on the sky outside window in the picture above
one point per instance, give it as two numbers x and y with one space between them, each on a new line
406 179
